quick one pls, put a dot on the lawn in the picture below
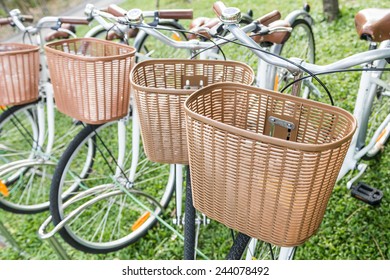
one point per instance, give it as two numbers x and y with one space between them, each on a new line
350 229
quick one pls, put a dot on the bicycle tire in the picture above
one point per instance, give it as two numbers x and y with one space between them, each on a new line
379 109
189 223
149 47
18 133
96 237
30 177
301 44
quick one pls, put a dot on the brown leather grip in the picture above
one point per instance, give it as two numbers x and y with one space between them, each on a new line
23 18
115 10
218 8
270 17
5 21
26 18
61 34
176 14
74 20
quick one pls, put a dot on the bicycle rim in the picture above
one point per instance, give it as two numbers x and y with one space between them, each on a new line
380 109
118 212
28 176
149 47
18 133
300 45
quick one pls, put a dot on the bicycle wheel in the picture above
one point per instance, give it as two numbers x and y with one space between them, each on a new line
243 248
27 170
150 47
380 109
237 52
18 133
300 45
112 218
102 33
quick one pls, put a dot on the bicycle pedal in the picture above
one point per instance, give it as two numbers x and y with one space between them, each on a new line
367 194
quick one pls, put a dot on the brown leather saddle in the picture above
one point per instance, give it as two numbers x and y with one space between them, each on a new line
373 24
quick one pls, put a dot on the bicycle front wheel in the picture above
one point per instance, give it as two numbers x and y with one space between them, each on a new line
18 133
27 168
380 110
112 210
301 44
149 47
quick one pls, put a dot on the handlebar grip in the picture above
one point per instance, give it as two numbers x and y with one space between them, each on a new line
270 17
176 14
218 8
5 21
26 18
23 18
115 10
74 20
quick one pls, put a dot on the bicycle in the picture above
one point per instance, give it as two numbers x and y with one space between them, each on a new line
370 88
29 153
64 212
28 146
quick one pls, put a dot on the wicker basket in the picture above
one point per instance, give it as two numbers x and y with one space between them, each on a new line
19 73
160 88
91 78
272 188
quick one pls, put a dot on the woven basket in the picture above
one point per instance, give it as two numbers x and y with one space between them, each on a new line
19 73
160 88
91 78
269 188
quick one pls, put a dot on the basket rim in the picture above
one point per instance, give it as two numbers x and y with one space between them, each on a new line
49 49
26 48
173 91
265 138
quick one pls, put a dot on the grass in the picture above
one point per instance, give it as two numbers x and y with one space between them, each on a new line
350 229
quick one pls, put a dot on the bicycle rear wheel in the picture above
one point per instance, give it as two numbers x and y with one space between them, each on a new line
117 211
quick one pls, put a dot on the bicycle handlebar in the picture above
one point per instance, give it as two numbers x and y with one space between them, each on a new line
74 20
117 11
218 8
270 17
23 18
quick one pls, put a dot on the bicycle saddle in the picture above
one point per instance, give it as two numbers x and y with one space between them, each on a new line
373 24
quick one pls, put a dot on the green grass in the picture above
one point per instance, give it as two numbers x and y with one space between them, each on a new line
350 229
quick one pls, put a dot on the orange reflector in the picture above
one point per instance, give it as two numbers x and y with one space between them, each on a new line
276 84
141 220
176 37
2 107
381 135
3 189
